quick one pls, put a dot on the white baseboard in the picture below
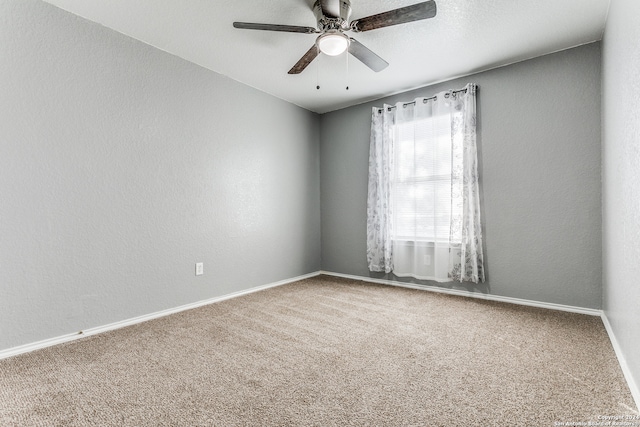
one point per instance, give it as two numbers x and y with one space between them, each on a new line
551 306
635 391
14 351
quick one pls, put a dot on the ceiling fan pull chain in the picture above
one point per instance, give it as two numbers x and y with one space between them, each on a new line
347 55
318 74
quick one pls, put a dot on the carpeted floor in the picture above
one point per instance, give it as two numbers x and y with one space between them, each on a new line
327 352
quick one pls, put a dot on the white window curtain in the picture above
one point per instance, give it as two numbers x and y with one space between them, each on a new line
423 210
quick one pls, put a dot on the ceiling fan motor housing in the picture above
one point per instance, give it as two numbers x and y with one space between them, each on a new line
332 14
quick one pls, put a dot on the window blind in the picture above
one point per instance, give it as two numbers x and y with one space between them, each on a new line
421 183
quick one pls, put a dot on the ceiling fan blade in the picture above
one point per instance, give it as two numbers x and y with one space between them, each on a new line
274 27
305 60
366 56
403 15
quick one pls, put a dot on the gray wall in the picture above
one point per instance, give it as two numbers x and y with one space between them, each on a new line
621 178
121 166
539 152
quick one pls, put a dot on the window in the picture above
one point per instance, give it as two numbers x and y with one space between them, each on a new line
421 186
423 205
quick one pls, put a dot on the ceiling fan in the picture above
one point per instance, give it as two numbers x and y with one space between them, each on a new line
333 21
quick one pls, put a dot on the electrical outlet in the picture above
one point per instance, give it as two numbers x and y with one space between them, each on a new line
199 268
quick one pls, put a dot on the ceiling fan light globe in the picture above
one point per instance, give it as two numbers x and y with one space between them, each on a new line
333 44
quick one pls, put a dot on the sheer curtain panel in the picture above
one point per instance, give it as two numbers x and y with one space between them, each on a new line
379 219
423 211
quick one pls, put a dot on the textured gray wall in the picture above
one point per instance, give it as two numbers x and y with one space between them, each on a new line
121 166
539 152
621 178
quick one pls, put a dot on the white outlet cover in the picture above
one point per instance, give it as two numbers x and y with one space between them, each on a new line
199 269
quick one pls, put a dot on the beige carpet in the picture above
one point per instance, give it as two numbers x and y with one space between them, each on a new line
327 352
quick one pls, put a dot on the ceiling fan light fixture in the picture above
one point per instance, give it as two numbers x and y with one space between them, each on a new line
333 43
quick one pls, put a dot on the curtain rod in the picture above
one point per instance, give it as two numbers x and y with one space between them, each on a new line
424 100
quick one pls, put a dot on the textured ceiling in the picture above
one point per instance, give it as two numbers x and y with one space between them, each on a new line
465 37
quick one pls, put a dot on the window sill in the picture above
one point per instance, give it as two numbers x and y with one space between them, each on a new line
424 243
